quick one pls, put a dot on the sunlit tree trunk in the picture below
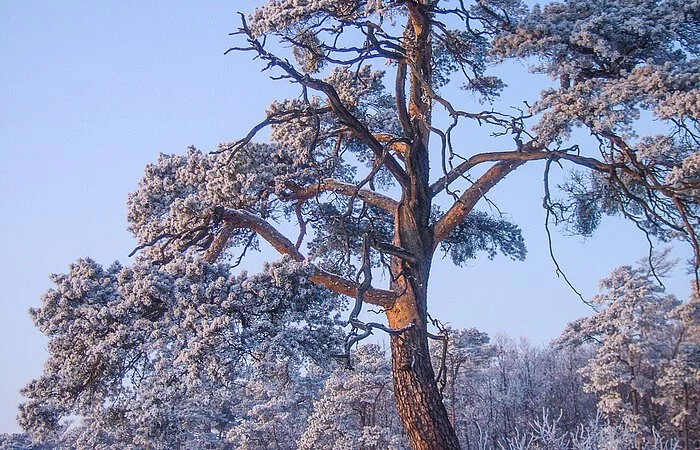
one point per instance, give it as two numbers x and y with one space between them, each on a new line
418 399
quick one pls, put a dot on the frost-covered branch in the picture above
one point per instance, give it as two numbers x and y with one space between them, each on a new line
359 129
348 189
242 219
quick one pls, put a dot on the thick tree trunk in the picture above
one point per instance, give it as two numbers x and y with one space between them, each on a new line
418 399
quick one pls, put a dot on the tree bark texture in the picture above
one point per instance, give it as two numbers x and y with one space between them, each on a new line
418 399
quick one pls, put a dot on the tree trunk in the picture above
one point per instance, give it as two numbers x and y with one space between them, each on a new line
686 407
418 400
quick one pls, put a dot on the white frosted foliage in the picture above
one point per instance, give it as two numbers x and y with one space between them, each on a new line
148 353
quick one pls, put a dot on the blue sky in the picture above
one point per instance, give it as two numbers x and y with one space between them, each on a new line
90 92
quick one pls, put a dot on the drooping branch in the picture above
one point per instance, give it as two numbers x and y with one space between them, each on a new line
362 330
459 211
237 218
547 204
654 183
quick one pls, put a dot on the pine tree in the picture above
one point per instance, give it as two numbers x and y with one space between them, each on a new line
350 163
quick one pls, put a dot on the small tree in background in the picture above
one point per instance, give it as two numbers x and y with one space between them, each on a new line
355 408
644 370
679 384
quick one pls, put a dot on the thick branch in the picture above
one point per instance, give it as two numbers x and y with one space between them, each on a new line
360 131
400 88
522 156
332 185
238 218
377 297
218 245
459 211
513 159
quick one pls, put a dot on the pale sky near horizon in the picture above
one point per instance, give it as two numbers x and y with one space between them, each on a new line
90 92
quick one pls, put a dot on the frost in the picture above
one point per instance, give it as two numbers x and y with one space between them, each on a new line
612 59
157 347
180 350
355 409
278 15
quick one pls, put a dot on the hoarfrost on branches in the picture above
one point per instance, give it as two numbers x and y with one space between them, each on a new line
612 60
645 341
355 408
146 353
359 161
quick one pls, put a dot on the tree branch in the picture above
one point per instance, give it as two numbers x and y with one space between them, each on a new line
400 88
507 162
238 218
456 214
360 131
274 118
351 190
528 153
377 297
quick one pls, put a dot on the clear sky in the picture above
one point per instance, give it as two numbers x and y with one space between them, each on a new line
90 92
